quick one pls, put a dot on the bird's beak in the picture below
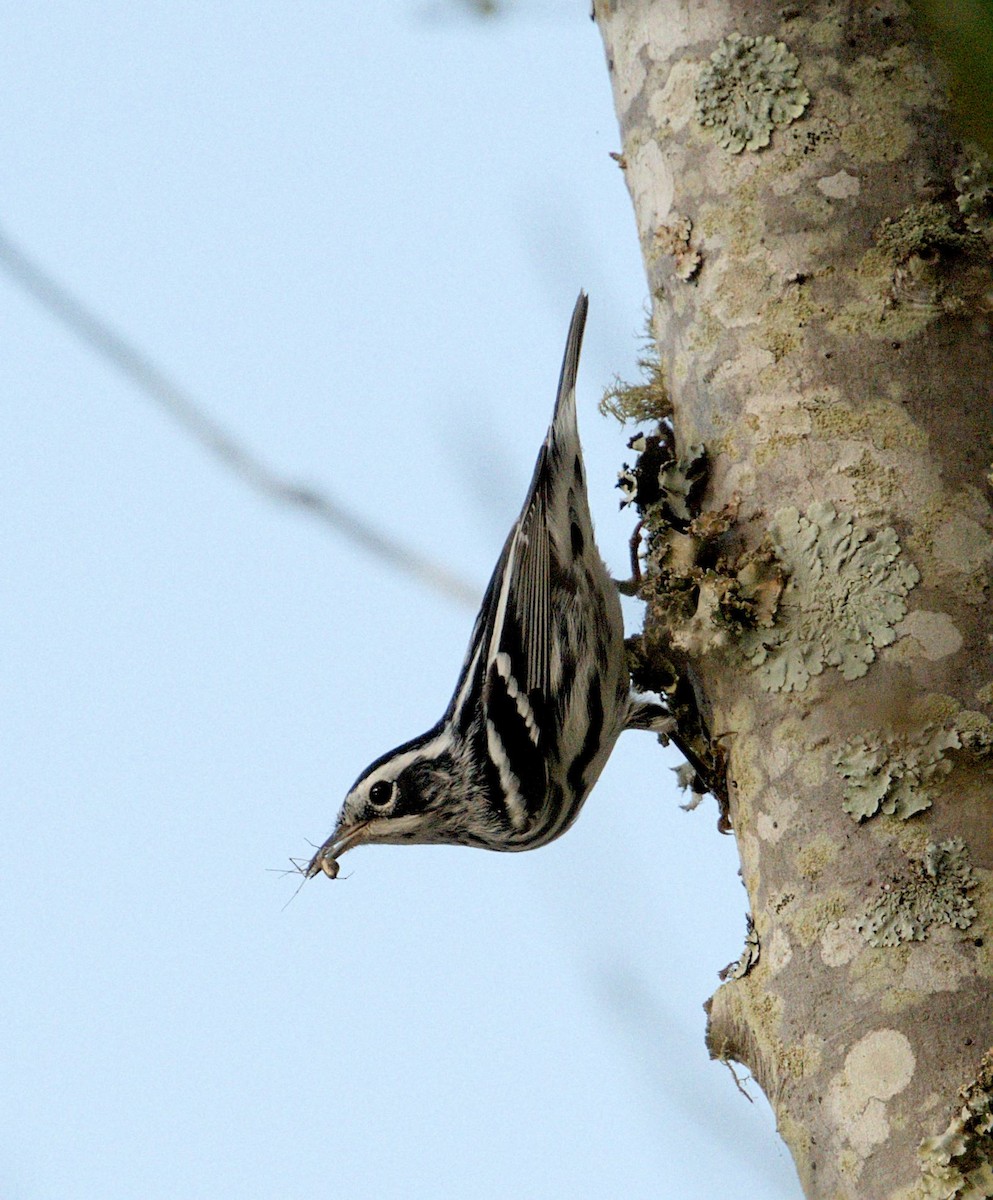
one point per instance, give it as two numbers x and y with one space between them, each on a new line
326 858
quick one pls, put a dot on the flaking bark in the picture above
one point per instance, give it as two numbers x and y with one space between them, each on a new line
819 256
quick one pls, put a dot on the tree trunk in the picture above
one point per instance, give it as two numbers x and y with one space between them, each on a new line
818 249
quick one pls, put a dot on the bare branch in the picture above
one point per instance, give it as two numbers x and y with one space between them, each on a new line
158 386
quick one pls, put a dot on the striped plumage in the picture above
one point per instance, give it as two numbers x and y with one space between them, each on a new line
544 692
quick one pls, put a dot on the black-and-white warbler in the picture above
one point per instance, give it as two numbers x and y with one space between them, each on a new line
544 691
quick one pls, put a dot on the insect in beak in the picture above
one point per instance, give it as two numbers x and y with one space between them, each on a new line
326 859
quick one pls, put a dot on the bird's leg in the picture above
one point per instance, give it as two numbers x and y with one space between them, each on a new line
632 586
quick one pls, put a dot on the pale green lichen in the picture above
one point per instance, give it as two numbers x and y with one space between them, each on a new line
893 775
845 593
936 893
673 239
958 1163
974 184
976 731
905 280
749 87
703 597
922 229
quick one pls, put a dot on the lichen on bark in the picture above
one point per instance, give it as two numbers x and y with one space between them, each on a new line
845 593
937 892
749 87
833 351
957 1164
894 774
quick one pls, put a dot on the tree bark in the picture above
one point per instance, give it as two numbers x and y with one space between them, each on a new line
818 249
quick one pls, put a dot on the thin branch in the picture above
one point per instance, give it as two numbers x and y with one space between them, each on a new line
158 386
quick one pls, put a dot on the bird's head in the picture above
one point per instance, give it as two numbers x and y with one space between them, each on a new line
411 795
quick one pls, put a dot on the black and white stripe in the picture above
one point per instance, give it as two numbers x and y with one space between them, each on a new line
543 693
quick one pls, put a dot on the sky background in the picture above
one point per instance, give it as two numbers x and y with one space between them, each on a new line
356 234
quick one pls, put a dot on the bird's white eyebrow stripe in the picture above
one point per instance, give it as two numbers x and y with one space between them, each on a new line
438 745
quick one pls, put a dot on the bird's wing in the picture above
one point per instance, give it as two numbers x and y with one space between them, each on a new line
507 666
520 625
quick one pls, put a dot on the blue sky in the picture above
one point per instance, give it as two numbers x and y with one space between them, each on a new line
356 234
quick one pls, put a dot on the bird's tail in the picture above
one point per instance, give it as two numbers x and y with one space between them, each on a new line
564 417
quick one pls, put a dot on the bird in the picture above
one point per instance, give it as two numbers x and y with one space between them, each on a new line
544 690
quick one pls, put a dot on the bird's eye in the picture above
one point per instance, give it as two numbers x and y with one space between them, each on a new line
381 793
